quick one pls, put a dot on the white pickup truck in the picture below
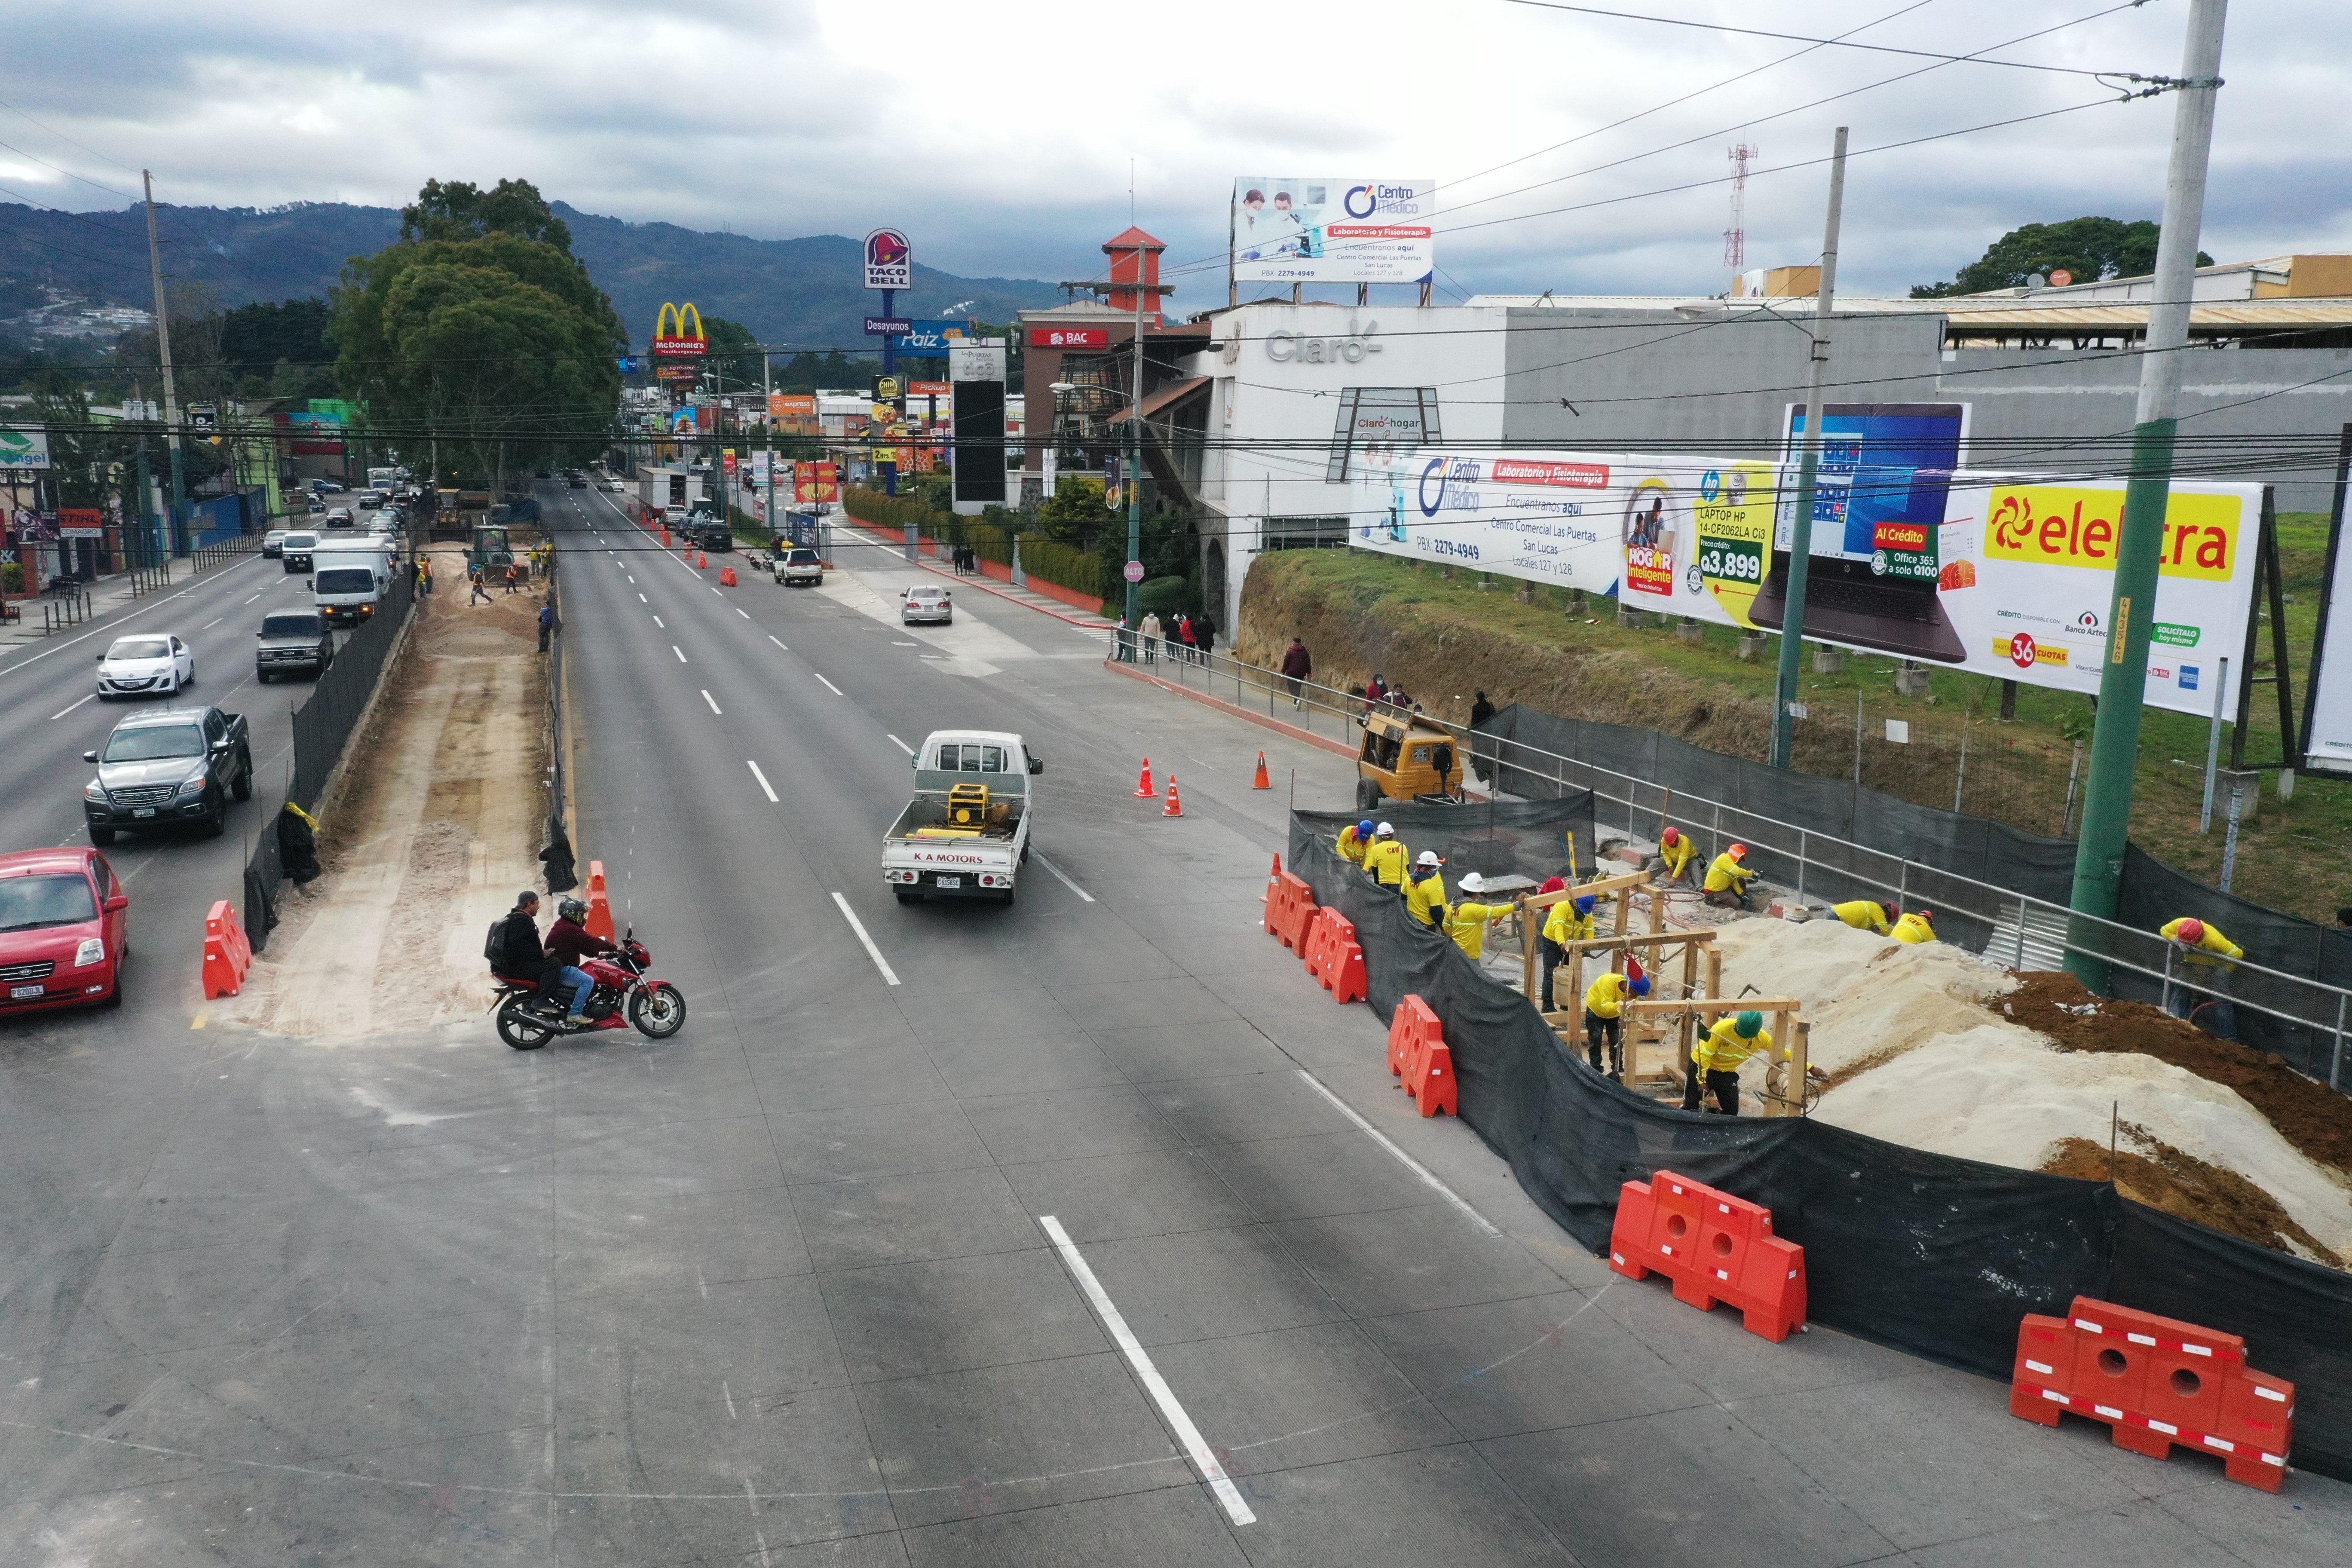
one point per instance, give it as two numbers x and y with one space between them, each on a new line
966 833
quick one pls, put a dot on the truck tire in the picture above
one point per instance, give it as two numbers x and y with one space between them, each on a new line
244 789
905 897
217 823
1368 794
1006 897
101 836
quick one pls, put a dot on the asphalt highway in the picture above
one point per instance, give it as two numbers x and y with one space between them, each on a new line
1082 1231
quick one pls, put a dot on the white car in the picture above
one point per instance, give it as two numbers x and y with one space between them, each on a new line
928 603
616 486
150 664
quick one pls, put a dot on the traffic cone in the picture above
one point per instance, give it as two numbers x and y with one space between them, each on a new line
1262 781
1144 790
702 561
1175 806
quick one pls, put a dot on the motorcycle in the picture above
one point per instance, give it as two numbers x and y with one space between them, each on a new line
624 997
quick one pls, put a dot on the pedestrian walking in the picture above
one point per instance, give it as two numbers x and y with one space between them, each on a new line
546 624
481 593
1184 632
1482 751
1204 637
1297 664
1151 637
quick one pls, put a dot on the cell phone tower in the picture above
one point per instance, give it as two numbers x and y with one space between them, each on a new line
1735 238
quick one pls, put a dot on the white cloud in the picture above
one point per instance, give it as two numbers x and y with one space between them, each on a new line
1001 136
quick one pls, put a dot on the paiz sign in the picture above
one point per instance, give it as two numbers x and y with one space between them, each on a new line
890 260
678 332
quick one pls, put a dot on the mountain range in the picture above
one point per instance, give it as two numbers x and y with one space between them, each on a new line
806 293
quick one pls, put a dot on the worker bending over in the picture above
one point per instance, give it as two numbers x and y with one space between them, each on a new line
1604 1005
1384 859
1728 880
1915 926
1715 1061
2202 948
1424 890
1354 840
1466 922
1570 919
1863 914
1677 858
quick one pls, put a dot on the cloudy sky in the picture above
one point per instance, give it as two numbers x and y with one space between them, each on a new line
1003 136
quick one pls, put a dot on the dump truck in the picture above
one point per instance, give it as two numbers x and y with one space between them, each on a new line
966 833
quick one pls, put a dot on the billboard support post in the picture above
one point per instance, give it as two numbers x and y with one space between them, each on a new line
2318 679
2123 679
163 352
1800 538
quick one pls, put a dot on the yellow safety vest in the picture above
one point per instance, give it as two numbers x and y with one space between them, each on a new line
2213 941
1863 914
1565 925
1723 1048
1727 875
1678 858
1467 923
1425 900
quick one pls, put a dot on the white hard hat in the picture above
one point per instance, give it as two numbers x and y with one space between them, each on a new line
1428 857
1384 828
1473 883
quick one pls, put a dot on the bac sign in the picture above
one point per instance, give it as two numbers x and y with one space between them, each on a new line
890 260
1069 337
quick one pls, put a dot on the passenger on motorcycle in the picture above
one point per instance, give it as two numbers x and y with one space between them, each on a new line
569 941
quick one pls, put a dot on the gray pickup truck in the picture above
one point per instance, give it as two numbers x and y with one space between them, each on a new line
292 642
171 767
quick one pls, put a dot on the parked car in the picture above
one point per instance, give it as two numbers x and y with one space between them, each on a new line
798 563
616 486
292 642
271 540
65 930
294 551
146 665
175 766
927 602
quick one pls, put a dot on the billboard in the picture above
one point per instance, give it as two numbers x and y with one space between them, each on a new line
933 338
1298 229
890 260
813 483
2016 571
24 447
674 336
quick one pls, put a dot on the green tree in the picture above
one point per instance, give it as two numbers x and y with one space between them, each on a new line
2089 248
459 210
1076 513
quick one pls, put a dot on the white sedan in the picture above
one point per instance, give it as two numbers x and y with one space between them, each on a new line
926 603
148 665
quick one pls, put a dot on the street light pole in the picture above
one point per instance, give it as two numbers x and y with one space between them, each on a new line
1134 443
2123 677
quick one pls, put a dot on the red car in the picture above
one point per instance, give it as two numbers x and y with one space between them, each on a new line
65 930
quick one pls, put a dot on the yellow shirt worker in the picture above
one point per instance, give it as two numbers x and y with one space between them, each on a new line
1916 926
1727 879
1572 920
1677 851
1466 922
2200 939
1354 840
1715 1061
1863 914
1384 859
1604 1008
1424 890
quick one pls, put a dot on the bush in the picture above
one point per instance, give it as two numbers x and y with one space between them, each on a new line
1063 566
1162 595
12 578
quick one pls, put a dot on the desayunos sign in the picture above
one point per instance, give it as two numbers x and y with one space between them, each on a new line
2024 571
1306 230
890 260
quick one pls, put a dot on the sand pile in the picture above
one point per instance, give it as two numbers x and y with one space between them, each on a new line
1920 1054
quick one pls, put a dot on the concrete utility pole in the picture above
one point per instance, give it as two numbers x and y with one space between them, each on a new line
1134 443
2123 679
1801 536
164 350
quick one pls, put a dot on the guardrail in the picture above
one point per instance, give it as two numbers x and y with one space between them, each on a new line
2019 928
206 556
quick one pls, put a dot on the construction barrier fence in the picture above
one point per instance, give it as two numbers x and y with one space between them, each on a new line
1935 1256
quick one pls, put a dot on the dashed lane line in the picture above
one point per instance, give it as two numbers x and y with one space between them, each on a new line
679 651
712 700
1063 876
894 740
769 789
1428 1177
829 686
872 952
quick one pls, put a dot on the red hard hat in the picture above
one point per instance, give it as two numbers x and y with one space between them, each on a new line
1670 837
1927 915
1739 852
1556 884
2191 931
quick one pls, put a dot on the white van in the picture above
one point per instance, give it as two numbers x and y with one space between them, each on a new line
349 577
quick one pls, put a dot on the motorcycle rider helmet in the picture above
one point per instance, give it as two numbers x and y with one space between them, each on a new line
572 909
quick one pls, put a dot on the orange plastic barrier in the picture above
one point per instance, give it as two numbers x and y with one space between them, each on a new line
726 576
2154 1382
1290 906
1411 1031
600 903
1714 1246
1433 1087
229 953
1334 958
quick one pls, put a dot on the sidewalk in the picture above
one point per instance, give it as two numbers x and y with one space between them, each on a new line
1043 603
106 595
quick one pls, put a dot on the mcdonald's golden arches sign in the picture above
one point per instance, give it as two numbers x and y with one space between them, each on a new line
677 331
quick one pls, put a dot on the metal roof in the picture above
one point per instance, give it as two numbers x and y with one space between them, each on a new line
2009 311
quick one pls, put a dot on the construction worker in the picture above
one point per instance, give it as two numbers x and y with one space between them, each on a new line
1914 926
2203 999
1384 862
1715 1061
1604 1004
1552 952
1466 922
1863 914
1424 890
1354 840
1728 880
1676 857
1570 919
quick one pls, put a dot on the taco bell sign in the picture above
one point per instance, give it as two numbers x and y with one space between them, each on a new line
890 260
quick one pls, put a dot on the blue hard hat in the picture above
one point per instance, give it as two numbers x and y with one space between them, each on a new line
1364 828
1640 986
1584 905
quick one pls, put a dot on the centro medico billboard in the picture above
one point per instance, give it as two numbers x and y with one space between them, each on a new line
1299 229
2015 577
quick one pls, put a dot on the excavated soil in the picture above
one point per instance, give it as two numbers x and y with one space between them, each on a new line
2188 1188
2312 1116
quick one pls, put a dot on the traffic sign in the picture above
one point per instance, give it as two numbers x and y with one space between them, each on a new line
887 326
1135 571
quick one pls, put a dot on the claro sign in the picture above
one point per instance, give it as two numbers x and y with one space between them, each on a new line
1299 348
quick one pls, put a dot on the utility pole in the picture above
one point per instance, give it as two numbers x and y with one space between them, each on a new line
2123 678
163 352
1801 530
1134 443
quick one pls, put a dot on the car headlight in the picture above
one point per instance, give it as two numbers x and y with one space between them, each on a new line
93 791
192 788
91 951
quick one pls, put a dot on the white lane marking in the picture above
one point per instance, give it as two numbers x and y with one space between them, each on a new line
642 600
1203 1459
716 591
712 700
632 582
211 623
679 651
1064 877
872 952
768 788
771 637
894 740
70 707
829 686
110 626
745 613
658 621
1427 1176
256 596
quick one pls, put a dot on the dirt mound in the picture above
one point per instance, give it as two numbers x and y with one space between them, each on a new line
2312 1116
2188 1188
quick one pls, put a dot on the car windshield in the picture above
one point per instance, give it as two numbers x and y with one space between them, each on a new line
289 626
346 580
139 647
28 903
155 741
300 540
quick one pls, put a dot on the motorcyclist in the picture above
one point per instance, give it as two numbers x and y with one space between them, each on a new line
568 941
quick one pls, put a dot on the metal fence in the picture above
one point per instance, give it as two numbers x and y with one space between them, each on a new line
561 869
2301 1018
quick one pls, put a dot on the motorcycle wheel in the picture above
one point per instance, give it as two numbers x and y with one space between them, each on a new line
657 1011
517 1028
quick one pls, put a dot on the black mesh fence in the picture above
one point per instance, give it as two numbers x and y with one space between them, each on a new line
1935 1256
1533 839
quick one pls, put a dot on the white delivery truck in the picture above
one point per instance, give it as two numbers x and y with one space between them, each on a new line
348 576
966 833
